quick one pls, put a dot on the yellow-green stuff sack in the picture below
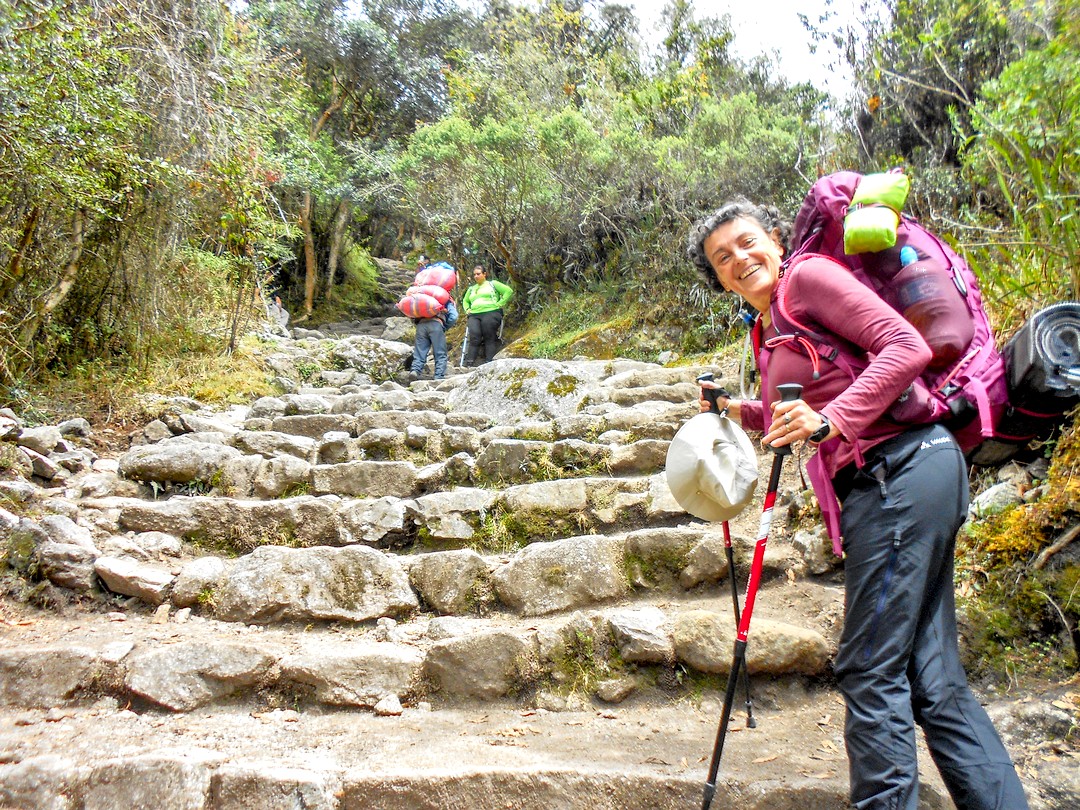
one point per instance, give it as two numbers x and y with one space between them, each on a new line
872 218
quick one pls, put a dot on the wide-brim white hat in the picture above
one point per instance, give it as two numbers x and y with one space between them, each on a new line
711 467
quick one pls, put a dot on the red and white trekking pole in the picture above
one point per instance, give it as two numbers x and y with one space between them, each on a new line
788 393
750 721
712 395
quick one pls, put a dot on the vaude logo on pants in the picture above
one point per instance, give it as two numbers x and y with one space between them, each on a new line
940 440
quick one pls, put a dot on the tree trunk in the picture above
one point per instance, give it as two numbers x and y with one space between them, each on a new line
503 236
45 305
341 219
308 209
15 271
309 254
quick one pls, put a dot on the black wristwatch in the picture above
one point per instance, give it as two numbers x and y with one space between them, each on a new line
823 431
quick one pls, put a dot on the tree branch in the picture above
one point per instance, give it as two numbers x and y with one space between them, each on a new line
1057 546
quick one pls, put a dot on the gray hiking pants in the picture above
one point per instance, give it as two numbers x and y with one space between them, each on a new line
898 662
430 335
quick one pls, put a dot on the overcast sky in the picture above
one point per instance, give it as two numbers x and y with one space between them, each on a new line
760 27
764 27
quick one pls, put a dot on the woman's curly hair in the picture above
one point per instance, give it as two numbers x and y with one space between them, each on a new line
766 216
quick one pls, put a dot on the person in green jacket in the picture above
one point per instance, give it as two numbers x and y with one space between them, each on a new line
483 303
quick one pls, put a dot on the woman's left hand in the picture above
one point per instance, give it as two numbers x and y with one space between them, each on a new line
792 421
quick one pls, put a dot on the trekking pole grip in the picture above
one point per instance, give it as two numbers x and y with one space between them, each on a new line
712 394
789 392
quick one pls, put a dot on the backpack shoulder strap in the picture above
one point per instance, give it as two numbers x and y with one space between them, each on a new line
790 332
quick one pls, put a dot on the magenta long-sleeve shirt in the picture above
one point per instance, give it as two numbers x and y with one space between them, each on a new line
825 297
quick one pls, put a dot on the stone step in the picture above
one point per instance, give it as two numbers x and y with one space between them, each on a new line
457 516
180 549
652 757
181 661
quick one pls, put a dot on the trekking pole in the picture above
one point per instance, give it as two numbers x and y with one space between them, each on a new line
711 395
750 721
788 393
464 345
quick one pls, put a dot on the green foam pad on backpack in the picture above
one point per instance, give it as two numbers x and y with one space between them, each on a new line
885 188
871 221
869 229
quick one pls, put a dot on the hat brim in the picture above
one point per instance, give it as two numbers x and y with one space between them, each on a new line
711 468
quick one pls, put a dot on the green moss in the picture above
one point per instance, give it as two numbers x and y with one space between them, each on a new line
296 489
602 496
584 660
239 539
1022 531
503 532
555 576
221 484
563 385
1014 623
516 380
9 456
18 552
659 567
1021 620
351 591
424 537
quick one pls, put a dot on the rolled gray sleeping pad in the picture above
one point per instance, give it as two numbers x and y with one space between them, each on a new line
1043 358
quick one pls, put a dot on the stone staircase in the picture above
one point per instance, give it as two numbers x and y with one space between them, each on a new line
476 593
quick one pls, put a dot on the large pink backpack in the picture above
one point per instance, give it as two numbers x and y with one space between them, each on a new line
965 384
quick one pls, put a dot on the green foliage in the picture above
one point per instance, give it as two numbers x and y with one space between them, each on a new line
605 321
1027 125
133 179
924 63
567 178
69 158
69 121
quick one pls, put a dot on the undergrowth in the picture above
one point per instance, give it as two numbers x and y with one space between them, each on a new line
114 392
1018 580
615 320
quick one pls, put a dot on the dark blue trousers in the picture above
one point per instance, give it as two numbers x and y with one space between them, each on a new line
898 662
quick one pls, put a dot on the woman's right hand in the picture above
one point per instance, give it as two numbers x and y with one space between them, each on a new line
703 401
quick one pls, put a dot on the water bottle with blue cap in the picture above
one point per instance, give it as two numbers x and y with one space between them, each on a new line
927 298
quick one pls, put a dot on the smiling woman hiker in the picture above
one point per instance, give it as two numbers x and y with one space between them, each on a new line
904 495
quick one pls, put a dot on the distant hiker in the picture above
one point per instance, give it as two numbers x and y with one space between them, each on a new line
904 494
483 302
279 313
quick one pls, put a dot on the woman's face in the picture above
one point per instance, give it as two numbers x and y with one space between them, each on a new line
479 275
746 260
